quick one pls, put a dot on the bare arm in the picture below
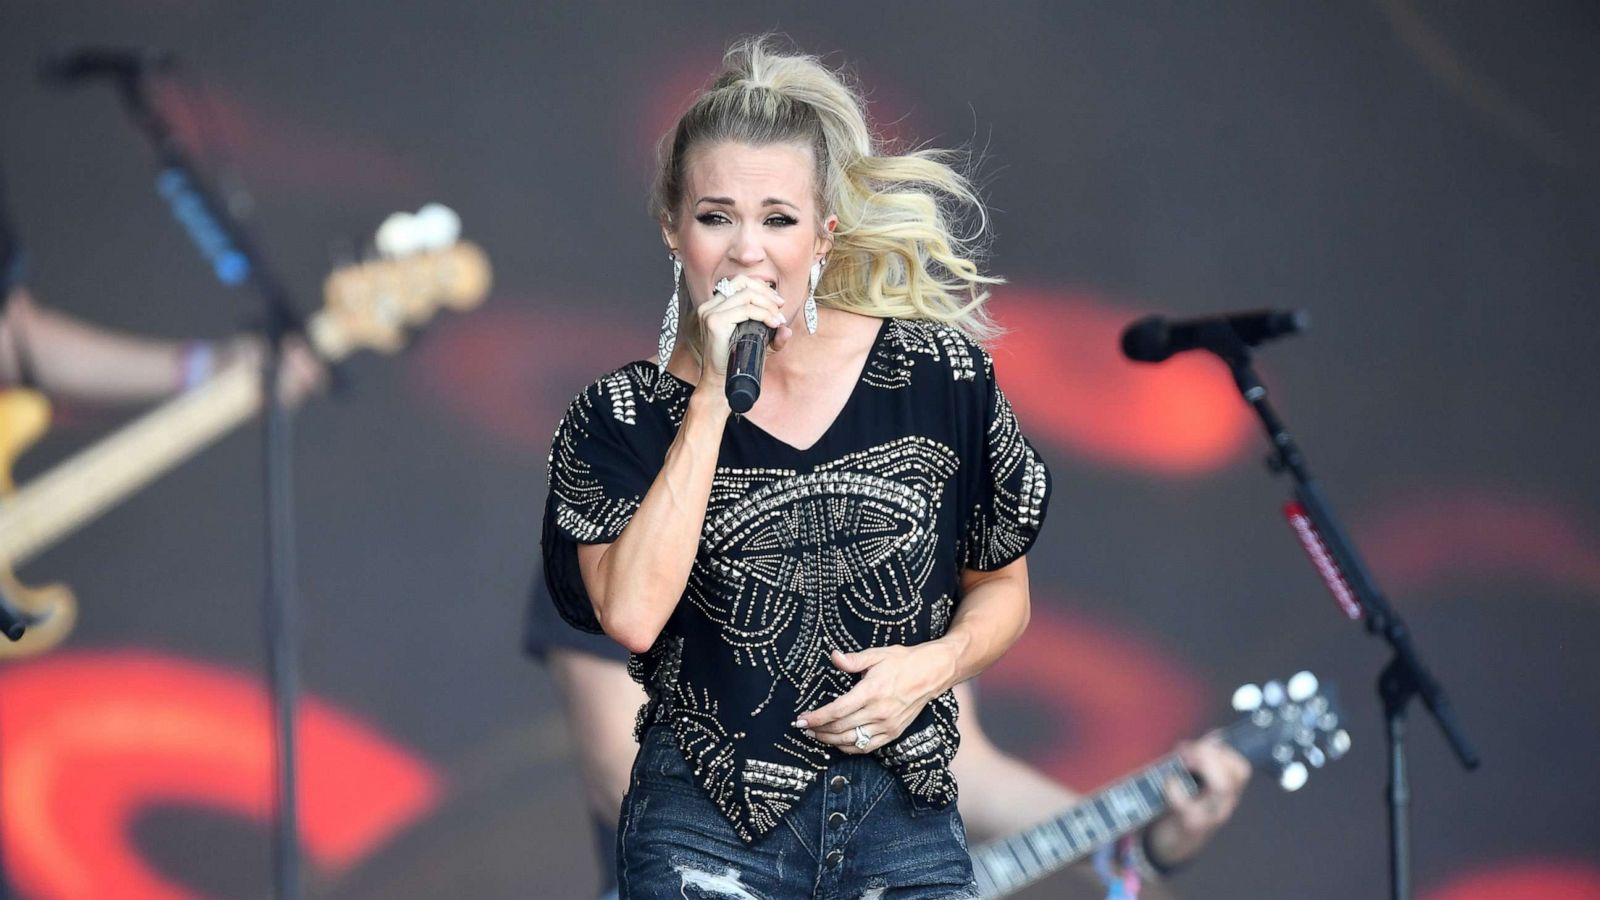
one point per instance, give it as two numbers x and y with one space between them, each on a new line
993 613
72 358
635 582
899 681
600 702
68 357
1000 794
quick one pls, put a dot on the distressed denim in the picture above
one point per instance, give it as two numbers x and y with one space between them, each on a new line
854 836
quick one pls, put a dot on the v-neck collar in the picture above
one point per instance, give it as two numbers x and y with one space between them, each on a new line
849 403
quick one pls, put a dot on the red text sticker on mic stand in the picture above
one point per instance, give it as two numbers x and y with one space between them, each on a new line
1321 559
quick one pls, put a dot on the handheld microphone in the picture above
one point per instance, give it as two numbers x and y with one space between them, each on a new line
73 65
1153 339
747 355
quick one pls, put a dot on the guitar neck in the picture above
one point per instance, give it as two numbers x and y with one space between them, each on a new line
98 477
1013 862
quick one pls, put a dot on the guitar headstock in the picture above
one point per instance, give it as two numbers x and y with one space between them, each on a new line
423 267
1289 727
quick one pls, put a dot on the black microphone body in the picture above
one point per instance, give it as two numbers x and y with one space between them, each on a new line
1153 339
76 64
747 354
15 622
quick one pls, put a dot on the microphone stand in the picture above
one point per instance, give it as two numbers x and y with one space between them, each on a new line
1405 676
223 241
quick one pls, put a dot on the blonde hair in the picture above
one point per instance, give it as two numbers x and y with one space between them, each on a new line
910 227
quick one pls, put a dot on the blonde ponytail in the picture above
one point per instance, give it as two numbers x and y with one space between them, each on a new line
911 227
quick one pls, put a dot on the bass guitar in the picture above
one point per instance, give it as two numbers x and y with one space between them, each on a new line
368 305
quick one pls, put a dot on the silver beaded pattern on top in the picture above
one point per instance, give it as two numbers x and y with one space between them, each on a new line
794 564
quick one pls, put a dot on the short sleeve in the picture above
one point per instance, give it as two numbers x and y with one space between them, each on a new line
598 477
1011 489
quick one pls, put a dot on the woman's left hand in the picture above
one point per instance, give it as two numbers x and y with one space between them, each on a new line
896 683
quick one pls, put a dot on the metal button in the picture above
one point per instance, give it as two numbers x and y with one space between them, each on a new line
837 818
835 857
838 783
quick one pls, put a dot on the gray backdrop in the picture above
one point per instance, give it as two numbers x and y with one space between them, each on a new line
1422 176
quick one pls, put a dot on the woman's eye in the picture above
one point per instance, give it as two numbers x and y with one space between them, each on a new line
711 218
782 221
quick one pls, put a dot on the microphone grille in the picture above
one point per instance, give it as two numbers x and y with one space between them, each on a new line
1146 340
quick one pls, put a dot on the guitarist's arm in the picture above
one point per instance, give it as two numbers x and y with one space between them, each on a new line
1191 821
67 357
1002 795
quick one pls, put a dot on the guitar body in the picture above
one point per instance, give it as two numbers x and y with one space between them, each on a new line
24 419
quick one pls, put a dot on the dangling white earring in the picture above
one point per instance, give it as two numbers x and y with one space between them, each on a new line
669 322
811 297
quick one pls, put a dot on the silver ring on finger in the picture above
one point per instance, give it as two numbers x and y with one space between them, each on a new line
863 737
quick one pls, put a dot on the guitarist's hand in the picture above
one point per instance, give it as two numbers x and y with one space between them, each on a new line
302 373
1222 774
896 683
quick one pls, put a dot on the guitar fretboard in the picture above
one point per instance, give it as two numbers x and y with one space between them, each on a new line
94 480
1123 808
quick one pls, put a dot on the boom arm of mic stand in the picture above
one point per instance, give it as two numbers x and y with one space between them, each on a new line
1405 676
1381 619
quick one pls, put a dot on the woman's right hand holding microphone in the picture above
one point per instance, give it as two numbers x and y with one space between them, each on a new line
739 299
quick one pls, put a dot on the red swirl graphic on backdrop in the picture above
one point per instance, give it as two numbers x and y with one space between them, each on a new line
1541 879
1062 366
510 371
1123 700
1464 534
283 149
89 741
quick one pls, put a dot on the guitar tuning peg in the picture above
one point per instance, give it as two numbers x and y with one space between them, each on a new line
1294 777
1315 756
1247 698
438 226
1339 744
1302 687
1283 754
1272 693
399 235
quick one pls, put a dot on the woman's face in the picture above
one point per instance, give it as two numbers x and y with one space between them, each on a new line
749 211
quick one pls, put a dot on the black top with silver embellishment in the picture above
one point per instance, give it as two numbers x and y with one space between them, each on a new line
857 541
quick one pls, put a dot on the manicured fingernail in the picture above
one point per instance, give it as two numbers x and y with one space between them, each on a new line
811 734
798 723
